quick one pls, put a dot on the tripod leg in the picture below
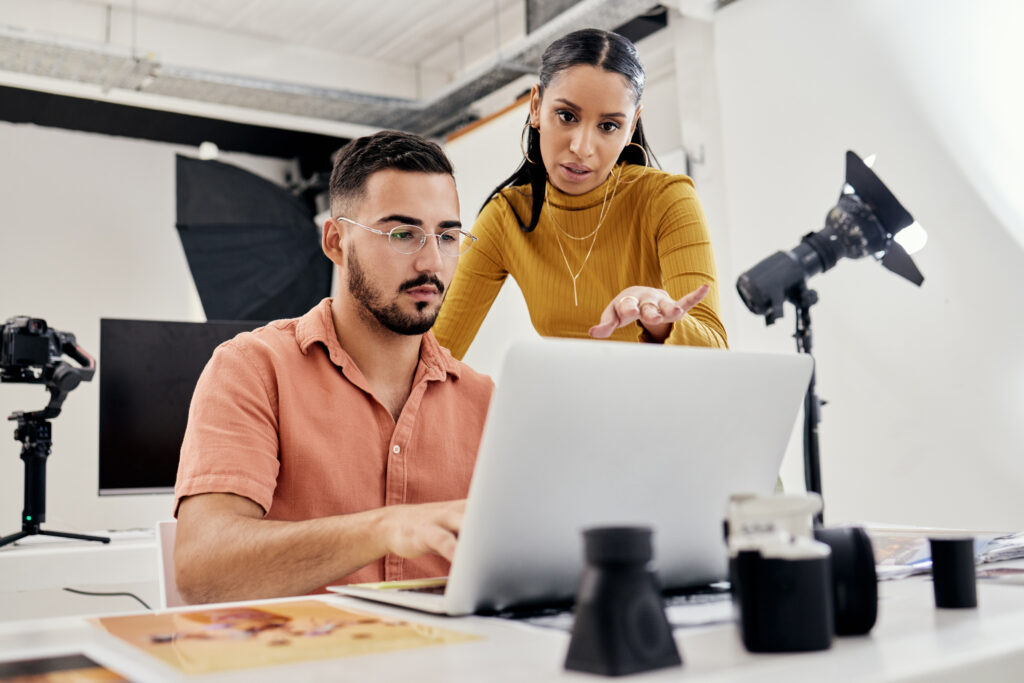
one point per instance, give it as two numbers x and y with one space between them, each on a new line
34 434
12 538
81 537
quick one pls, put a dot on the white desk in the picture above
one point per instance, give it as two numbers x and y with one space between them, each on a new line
34 571
912 641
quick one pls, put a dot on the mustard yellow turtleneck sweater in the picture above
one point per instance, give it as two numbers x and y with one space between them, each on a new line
654 234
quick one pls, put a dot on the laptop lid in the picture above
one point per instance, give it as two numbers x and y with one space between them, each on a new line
585 433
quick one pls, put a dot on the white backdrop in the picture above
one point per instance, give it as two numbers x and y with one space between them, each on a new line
925 386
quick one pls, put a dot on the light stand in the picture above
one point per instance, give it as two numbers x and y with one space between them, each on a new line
803 299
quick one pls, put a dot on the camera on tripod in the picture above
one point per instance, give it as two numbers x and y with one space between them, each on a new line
32 352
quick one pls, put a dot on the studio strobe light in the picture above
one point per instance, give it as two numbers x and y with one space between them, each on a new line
864 221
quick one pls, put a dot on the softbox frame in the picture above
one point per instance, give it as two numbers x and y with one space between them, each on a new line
253 248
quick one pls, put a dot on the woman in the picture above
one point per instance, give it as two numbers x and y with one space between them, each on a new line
600 243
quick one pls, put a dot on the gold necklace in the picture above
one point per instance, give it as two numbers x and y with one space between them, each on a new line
605 204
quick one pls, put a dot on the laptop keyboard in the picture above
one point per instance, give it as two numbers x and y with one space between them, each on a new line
430 590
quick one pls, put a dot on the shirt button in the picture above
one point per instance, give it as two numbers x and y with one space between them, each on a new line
396 449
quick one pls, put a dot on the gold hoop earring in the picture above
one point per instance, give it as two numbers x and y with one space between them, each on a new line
646 164
522 143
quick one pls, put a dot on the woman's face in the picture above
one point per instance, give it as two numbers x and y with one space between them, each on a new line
586 117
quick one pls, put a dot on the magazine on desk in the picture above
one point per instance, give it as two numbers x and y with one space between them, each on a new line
243 636
905 551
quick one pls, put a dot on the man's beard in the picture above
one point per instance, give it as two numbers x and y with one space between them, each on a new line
390 315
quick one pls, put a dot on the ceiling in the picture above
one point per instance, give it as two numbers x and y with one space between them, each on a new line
394 32
321 65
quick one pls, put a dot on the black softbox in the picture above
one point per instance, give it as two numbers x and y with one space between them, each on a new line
252 247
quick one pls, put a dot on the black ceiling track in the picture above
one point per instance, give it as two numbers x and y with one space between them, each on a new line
312 150
639 28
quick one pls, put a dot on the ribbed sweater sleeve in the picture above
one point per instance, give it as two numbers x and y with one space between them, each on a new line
478 279
688 261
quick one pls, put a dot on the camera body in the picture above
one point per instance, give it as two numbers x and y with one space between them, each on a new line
781 576
796 585
32 352
25 343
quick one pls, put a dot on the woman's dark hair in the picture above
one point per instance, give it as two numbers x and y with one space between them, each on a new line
593 47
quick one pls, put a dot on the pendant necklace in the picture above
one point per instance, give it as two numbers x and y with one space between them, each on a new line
592 235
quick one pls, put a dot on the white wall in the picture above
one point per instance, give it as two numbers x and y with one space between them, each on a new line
87 227
925 386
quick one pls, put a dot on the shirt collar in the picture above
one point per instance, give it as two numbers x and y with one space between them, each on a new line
318 326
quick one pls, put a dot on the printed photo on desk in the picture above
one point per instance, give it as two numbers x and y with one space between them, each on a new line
901 552
69 668
1012 575
269 634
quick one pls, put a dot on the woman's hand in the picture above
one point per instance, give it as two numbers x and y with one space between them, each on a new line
653 308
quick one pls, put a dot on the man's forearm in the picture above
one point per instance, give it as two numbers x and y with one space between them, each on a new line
234 557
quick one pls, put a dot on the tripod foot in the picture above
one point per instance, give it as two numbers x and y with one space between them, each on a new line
80 537
12 538
43 532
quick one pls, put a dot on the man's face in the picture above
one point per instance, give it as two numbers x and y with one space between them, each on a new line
401 292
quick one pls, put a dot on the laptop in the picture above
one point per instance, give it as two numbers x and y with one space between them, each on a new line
587 433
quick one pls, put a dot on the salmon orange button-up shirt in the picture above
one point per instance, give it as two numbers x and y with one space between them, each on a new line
283 416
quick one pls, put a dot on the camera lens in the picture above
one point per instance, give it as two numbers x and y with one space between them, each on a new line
854 583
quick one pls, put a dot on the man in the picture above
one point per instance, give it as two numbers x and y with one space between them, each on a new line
337 447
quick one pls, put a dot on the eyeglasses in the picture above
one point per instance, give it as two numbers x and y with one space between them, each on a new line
408 239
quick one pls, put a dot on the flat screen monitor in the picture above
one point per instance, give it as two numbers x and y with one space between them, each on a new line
147 372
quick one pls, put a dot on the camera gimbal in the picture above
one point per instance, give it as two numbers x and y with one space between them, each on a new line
31 352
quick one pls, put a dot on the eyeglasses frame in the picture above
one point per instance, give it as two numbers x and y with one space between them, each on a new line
437 235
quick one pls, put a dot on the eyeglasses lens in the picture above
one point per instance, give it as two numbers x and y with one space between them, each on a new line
408 239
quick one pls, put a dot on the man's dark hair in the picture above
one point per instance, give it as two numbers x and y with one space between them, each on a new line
388 149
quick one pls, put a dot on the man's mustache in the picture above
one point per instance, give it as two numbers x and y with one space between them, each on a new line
423 279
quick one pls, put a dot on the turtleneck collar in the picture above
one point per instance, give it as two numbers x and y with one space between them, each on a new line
579 202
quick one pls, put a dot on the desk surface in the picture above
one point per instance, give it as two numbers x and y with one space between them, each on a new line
911 641
34 571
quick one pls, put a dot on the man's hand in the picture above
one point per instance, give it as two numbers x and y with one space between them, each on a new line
653 308
414 530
